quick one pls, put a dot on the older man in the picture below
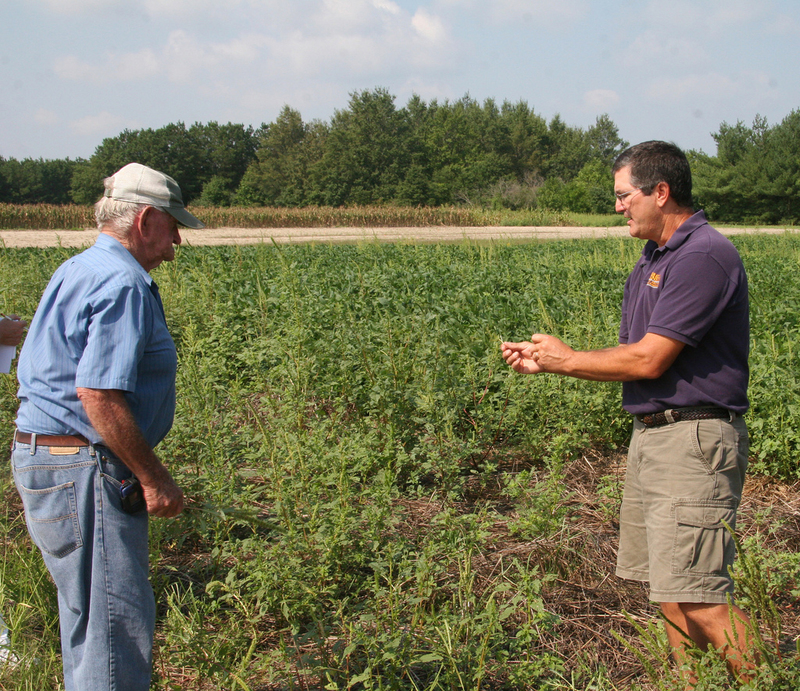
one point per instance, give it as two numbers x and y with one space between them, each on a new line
97 393
682 358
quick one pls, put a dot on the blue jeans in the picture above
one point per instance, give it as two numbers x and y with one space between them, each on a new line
98 557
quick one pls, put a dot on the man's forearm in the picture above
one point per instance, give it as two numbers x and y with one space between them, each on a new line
645 359
113 420
619 363
111 417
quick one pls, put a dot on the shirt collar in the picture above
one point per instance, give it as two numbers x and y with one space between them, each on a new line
686 229
107 243
681 234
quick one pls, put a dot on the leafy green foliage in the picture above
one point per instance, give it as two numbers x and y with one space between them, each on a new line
192 156
755 177
351 445
371 152
482 155
36 181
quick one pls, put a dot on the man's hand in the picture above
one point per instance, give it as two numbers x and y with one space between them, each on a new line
648 358
521 357
109 414
163 497
541 354
12 329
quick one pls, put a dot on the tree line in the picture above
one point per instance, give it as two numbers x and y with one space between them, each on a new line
422 154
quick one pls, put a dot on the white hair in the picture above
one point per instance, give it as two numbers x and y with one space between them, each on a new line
112 214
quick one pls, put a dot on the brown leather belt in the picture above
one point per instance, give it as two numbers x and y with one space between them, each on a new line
680 414
50 440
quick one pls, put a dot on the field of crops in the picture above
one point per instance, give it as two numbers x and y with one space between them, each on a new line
375 501
73 216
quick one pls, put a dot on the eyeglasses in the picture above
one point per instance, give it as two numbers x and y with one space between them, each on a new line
624 198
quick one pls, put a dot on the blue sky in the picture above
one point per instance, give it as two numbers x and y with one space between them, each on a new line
73 72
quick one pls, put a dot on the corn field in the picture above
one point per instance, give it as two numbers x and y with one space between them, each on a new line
74 216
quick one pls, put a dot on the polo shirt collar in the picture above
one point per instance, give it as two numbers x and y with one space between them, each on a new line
110 244
685 229
680 235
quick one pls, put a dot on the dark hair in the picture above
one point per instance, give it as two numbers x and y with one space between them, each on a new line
653 162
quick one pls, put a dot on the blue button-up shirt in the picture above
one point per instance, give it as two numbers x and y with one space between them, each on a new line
100 325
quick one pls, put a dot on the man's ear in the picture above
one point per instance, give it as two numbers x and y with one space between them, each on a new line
662 193
143 220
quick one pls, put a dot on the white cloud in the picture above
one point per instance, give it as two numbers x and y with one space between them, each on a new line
101 124
189 8
360 38
133 66
528 10
116 68
344 16
152 8
783 25
46 117
725 13
180 58
711 87
70 67
428 26
601 100
383 43
77 6
387 6
709 20
666 49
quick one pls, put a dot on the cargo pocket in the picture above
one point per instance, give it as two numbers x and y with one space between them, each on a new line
52 518
703 545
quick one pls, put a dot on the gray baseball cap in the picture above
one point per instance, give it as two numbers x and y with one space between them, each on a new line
139 184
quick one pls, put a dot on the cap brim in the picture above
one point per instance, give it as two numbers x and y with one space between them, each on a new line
182 216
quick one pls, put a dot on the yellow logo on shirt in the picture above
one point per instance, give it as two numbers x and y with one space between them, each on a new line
654 280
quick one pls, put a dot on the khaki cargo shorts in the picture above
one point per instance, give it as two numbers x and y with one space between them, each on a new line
683 483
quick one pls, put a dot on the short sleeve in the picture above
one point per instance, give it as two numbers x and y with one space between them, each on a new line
695 292
113 344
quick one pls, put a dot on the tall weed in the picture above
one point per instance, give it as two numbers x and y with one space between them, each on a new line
353 447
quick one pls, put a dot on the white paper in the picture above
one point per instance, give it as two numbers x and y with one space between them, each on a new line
7 354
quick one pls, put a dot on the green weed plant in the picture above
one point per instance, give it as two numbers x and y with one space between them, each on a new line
355 453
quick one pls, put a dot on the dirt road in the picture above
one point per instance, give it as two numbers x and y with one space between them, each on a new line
250 236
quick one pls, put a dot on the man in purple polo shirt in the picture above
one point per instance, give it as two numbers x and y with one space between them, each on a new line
684 343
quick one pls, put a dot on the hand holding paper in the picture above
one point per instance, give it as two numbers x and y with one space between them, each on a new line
12 329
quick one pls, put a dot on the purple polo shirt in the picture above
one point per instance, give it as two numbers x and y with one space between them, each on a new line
694 289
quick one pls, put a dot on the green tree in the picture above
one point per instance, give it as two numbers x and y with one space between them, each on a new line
469 149
169 149
364 157
567 150
4 186
592 190
527 140
193 157
416 188
778 182
755 177
224 152
34 181
604 141
286 151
